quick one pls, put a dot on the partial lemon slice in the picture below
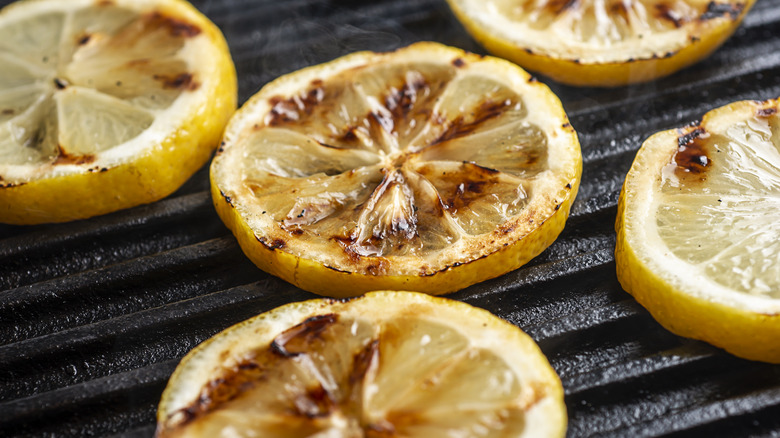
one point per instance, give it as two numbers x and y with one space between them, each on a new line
601 43
424 169
698 232
388 364
106 104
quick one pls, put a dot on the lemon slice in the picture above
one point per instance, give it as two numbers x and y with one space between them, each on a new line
385 364
698 232
424 169
106 104
601 42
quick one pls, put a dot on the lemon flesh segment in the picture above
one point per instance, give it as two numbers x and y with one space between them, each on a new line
601 43
426 168
105 105
698 232
385 364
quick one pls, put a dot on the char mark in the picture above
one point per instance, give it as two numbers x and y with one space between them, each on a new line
718 10
295 340
691 156
176 28
459 127
666 12
63 157
182 81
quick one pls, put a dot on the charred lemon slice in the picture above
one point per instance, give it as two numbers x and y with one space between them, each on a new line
388 364
601 43
424 169
698 232
106 104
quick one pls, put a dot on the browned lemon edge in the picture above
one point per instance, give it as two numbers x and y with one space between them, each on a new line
613 74
318 278
171 399
745 334
157 174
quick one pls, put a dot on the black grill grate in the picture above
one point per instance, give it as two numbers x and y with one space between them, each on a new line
94 315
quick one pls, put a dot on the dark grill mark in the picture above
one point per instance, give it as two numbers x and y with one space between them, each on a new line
182 81
240 378
458 62
61 84
273 245
347 244
385 122
8 111
459 127
349 136
337 270
295 340
463 187
227 198
292 109
666 12
84 39
176 28
558 7
362 361
8 185
620 9
64 157
401 101
766 112
718 10
691 156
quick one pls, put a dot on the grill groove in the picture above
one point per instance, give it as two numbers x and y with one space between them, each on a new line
94 315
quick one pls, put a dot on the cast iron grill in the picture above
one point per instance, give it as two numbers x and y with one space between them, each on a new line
94 315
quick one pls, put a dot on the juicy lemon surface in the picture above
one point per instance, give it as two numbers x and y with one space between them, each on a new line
383 365
698 232
601 42
424 169
106 104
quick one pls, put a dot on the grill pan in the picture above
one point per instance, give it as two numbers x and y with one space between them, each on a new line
95 314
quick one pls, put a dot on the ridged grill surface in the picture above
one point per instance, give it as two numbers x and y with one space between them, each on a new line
94 315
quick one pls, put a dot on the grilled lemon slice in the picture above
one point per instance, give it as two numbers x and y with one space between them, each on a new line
424 169
106 104
605 42
698 232
385 364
